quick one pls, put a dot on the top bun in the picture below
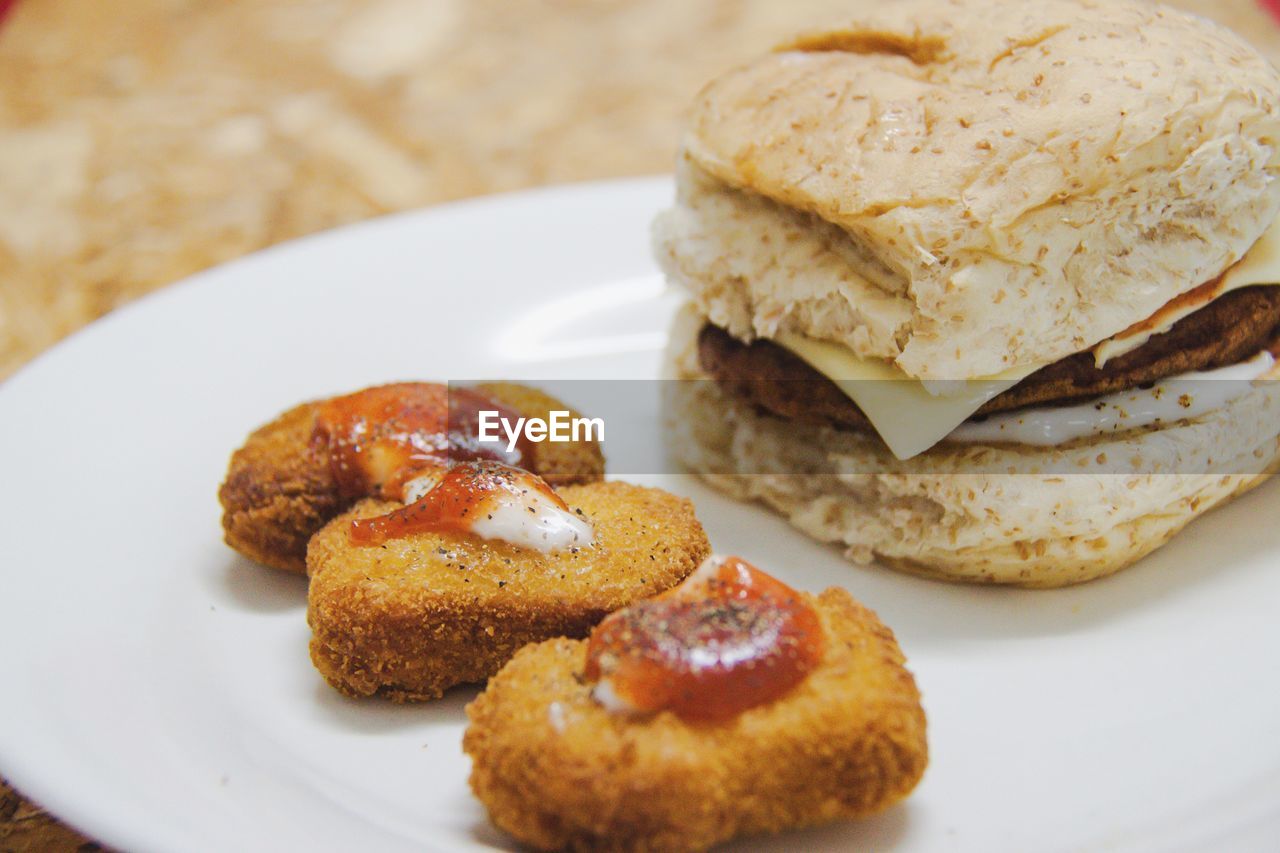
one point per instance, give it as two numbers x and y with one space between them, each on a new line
966 186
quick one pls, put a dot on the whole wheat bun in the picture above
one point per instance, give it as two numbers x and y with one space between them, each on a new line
946 513
963 186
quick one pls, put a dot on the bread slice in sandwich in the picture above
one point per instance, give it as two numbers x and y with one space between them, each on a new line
957 266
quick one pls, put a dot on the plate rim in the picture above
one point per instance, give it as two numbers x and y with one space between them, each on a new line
125 832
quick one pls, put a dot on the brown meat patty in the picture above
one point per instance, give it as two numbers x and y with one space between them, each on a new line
1228 330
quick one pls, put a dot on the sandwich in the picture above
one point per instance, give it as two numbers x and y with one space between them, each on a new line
983 290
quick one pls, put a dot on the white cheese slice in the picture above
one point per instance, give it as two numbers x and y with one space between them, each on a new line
1170 400
1260 265
912 416
906 412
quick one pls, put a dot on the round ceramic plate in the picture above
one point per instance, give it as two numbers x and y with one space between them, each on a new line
157 691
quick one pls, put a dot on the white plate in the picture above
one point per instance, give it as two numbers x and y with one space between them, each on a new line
157 691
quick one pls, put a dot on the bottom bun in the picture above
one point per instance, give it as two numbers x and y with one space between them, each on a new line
982 514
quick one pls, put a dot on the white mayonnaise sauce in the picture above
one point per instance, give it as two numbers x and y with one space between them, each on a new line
421 484
604 693
522 513
532 520
1169 400
556 717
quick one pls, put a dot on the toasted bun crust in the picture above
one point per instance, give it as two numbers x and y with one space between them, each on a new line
967 185
946 513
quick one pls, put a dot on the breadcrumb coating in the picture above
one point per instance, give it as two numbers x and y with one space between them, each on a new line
279 489
557 770
412 617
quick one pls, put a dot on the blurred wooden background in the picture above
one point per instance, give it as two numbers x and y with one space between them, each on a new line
143 140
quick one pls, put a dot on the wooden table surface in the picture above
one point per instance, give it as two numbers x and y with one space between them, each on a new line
143 140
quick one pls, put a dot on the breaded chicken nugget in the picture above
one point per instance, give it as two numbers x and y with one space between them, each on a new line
287 480
409 616
560 763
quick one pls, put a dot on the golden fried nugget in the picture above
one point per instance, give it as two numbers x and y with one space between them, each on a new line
557 770
413 616
280 487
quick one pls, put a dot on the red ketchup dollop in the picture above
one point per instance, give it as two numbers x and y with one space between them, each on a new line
727 639
464 493
380 438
